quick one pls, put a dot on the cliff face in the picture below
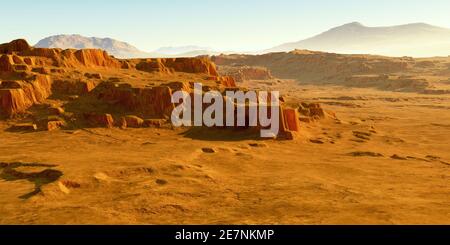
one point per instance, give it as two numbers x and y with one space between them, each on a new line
171 65
17 96
146 102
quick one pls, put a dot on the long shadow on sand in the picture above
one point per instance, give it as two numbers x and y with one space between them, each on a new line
221 134
47 176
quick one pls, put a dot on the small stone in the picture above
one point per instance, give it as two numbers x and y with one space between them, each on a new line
161 182
208 150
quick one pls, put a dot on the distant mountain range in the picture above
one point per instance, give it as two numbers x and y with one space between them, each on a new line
119 49
419 40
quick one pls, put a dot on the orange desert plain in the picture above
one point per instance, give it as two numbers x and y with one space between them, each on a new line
86 139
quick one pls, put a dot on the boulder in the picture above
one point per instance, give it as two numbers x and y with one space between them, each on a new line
134 121
150 123
99 120
55 125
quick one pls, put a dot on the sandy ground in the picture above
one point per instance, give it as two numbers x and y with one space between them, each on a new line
335 172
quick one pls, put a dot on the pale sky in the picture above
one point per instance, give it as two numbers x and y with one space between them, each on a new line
226 25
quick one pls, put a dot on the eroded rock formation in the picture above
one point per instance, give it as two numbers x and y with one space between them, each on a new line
18 95
243 73
81 78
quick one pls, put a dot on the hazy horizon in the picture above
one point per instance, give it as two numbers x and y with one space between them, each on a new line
226 26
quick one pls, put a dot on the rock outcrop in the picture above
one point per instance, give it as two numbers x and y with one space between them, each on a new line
18 96
99 120
70 87
317 66
243 73
30 75
146 102
19 45
170 65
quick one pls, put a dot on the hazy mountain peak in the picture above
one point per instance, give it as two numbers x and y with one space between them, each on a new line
353 24
414 39
170 50
76 41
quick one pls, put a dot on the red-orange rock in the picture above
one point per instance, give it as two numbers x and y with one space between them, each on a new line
29 61
311 110
41 70
243 73
25 94
55 125
6 63
188 65
134 121
99 120
96 57
73 87
227 81
18 45
291 119
148 102
148 123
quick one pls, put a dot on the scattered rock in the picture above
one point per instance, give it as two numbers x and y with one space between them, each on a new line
161 182
70 184
208 150
134 121
99 120
55 125
153 123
